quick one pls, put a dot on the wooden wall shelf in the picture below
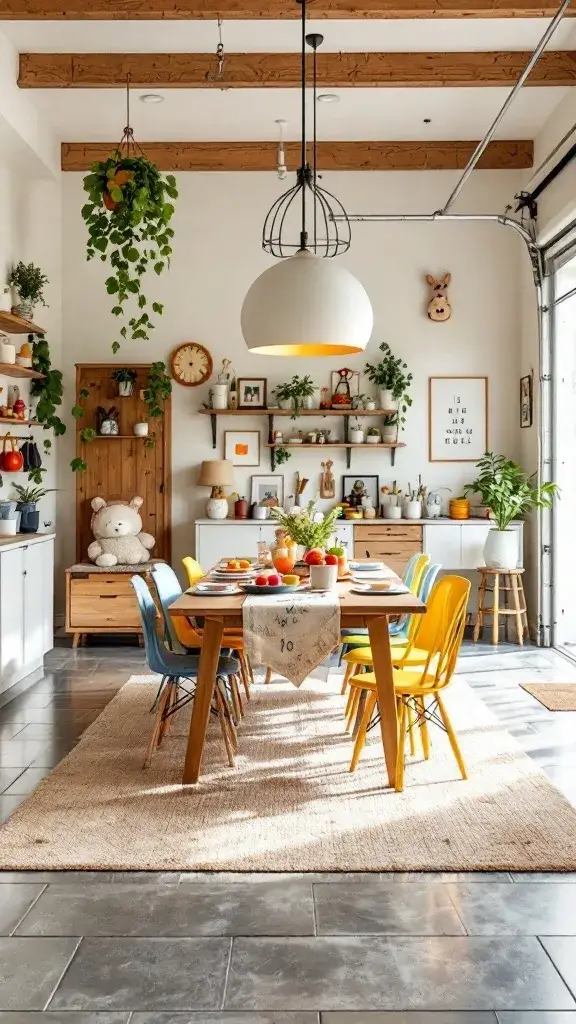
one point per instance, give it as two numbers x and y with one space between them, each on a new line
19 423
12 324
301 412
13 370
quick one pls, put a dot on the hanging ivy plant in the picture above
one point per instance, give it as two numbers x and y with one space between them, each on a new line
49 393
158 389
128 218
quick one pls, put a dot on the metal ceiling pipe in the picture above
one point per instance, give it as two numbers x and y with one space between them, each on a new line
503 110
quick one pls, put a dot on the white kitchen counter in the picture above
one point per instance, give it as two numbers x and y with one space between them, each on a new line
22 539
440 521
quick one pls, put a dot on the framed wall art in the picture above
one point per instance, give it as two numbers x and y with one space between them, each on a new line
267 489
457 418
526 409
242 447
251 392
360 484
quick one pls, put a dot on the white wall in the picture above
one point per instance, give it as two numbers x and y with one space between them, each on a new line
217 255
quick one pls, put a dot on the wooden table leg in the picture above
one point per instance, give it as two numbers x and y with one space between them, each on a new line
380 645
209 655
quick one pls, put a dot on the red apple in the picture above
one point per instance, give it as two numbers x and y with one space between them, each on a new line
273 580
314 557
261 581
331 560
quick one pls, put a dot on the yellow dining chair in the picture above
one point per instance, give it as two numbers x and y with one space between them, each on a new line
232 637
439 637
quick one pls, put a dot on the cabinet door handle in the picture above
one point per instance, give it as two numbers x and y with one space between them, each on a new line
108 597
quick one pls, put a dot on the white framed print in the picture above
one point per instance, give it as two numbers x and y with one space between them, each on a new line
242 447
457 418
267 490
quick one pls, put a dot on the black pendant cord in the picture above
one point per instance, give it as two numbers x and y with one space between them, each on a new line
303 233
315 145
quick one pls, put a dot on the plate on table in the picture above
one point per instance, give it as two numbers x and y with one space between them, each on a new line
282 588
366 566
240 574
214 589
365 588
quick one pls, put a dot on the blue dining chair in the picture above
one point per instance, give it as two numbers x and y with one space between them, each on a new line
176 670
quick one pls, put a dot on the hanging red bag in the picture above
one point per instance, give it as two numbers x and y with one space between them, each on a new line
12 460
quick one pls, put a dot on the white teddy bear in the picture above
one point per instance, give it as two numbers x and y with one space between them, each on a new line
117 528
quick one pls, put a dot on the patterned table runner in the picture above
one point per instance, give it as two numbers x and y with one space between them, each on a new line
291 633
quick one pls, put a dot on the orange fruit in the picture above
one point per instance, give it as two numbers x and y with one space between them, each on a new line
244 563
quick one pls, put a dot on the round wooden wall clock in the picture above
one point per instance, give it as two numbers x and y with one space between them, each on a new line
191 364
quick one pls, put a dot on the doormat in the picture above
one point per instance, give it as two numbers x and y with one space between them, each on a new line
291 804
554 696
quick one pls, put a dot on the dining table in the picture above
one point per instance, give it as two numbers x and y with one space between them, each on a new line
371 610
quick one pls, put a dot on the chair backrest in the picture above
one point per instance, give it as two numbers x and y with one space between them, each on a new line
419 577
168 589
441 629
428 580
409 570
420 563
148 613
194 570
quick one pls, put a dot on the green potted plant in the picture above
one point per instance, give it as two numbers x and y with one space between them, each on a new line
27 499
392 381
128 219
356 434
29 282
125 379
303 528
509 493
295 394
390 427
372 435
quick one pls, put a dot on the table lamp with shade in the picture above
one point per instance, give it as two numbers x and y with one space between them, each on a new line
217 474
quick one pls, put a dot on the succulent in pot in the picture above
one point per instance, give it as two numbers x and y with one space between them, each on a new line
125 379
356 434
372 435
390 428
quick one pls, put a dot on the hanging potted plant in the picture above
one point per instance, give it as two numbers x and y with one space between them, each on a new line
29 282
509 493
128 218
125 378
392 380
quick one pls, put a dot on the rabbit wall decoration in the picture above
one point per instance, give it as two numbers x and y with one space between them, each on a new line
439 308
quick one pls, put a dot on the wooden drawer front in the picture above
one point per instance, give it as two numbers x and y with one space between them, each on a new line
102 603
395 555
378 531
100 584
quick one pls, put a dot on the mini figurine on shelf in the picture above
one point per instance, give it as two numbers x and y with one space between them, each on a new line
341 396
107 421
19 409
325 398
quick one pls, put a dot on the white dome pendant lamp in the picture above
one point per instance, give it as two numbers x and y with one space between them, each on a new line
307 305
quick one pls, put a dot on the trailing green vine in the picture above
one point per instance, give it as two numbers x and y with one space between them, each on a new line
128 221
49 392
158 389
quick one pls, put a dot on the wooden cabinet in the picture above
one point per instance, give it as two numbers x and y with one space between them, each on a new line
392 543
26 608
101 602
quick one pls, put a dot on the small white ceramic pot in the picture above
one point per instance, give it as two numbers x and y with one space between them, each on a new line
285 403
356 437
7 352
217 508
413 510
389 434
8 527
125 388
323 577
220 389
219 401
308 402
141 429
386 399
369 405
501 549
392 511
372 438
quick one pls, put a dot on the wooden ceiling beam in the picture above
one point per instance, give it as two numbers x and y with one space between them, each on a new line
282 70
332 156
182 10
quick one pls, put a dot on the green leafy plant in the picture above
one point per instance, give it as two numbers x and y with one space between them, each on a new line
303 529
158 389
390 419
124 375
48 391
30 495
507 490
128 219
78 465
88 434
390 375
297 389
373 431
29 282
281 456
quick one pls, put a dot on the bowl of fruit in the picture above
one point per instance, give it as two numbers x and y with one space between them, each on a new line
271 583
235 567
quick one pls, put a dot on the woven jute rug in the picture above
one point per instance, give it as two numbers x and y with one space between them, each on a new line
554 696
291 804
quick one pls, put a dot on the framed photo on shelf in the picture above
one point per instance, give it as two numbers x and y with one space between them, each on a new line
251 392
242 447
457 418
267 489
369 485
526 400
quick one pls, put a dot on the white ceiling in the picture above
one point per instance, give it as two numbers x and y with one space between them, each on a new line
86 115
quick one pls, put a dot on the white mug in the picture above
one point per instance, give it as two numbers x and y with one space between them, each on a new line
323 577
141 429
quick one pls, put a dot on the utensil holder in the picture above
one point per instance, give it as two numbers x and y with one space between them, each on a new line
392 511
323 577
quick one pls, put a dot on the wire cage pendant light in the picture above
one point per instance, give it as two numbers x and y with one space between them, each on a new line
304 216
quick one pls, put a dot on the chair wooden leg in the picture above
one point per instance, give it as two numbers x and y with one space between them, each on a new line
229 712
452 737
349 700
165 722
347 673
268 675
399 785
353 708
245 673
496 608
424 733
236 698
157 724
224 727
410 725
518 615
363 730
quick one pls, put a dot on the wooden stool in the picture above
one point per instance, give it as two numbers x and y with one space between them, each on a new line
506 582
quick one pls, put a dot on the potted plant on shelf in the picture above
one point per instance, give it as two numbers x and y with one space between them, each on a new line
390 427
509 493
372 435
356 433
392 380
29 282
125 379
295 394
27 499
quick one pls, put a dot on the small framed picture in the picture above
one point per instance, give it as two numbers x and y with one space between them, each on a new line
242 447
267 490
526 400
362 485
251 392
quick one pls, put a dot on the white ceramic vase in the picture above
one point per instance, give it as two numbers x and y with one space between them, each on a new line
386 399
125 388
323 577
285 403
369 405
357 436
392 511
501 549
141 429
372 438
412 509
217 508
389 434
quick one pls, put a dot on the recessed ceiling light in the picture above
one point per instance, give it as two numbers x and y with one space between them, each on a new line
328 97
151 97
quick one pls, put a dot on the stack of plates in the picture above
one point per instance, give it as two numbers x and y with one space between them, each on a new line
214 589
367 588
367 566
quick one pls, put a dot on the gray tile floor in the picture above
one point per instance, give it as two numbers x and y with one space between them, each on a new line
205 948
